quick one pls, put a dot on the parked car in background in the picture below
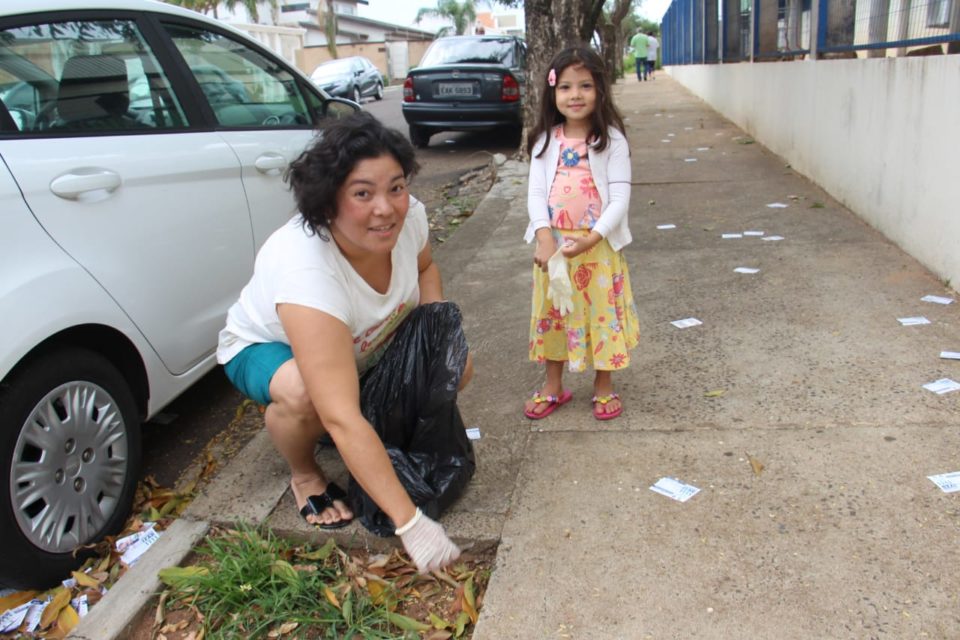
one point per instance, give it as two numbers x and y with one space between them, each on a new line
142 148
354 78
466 83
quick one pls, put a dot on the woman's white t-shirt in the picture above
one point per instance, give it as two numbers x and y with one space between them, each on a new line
298 267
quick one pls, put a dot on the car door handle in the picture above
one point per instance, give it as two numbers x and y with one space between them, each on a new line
270 162
72 185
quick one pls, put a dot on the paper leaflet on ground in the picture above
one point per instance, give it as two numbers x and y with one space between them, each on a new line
746 270
686 322
666 226
753 233
937 299
727 236
473 433
777 205
942 386
948 482
139 546
773 238
674 489
950 355
80 605
909 322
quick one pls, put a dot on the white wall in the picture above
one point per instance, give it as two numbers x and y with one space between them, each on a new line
881 135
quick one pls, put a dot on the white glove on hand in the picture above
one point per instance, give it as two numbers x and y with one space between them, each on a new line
559 289
427 543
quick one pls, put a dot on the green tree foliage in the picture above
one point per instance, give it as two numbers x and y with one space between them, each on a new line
462 14
210 6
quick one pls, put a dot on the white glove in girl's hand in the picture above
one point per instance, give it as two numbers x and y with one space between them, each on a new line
427 543
559 288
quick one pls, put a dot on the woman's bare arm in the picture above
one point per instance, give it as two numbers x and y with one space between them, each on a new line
323 349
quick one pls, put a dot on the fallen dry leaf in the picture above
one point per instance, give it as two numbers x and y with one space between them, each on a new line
755 464
716 393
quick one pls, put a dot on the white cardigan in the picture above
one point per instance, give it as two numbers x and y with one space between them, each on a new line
611 174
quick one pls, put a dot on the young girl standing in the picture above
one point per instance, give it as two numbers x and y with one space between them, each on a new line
578 195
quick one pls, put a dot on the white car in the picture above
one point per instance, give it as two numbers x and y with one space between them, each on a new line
142 151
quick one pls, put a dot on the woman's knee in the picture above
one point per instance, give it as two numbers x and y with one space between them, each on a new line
289 393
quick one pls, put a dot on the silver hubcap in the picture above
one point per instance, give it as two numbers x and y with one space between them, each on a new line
69 467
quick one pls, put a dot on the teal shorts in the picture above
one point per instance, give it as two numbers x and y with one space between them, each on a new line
252 369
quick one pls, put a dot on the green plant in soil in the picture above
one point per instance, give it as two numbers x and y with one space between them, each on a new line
249 583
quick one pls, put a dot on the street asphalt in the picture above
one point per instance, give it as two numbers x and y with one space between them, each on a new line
797 408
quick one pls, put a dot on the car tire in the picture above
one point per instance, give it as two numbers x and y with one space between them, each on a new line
379 93
356 95
69 463
419 136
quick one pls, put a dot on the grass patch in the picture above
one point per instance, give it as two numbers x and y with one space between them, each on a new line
249 583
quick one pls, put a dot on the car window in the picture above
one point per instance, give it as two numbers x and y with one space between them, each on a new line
83 76
457 50
243 87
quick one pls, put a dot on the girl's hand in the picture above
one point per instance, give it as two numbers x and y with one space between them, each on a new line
574 247
546 247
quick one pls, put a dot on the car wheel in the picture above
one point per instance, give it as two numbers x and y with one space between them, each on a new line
379 94
356 95
69 463
419 136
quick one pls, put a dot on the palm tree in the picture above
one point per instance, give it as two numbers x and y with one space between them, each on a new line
462 14
208 6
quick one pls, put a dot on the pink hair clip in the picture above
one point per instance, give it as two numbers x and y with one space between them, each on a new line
552 78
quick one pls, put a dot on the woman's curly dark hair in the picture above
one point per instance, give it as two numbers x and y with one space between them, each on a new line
320 171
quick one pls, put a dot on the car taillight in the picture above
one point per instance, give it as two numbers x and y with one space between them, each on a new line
510 91
408 90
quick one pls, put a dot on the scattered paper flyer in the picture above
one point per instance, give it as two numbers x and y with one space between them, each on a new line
727 236
942 386
666 141
777 205
674 489
671 135
909 322
666 226
937 299
746 270
689 159
948 482
13 618
703 148
473 433
950 355
688 128
686 322
773 238
138 548
80 605
753 233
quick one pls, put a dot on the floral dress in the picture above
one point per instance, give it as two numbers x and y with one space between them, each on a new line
602 328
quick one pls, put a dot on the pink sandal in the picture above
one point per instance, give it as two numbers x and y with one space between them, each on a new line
552 403
600 404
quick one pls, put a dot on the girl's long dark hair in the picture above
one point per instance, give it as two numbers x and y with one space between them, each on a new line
605 114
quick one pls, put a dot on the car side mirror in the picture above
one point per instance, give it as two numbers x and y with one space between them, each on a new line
339 108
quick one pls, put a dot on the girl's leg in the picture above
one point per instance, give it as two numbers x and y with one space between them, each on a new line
603 386
294 428
552 387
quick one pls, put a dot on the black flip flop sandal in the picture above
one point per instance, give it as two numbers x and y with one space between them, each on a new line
318 504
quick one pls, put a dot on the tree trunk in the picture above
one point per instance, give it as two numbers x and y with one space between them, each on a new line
330 28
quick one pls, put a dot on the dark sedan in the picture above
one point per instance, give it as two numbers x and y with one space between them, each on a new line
355 78
466 83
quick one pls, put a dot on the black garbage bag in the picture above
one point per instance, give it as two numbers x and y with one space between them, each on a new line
410 398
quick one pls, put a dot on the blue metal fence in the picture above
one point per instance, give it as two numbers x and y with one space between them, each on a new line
702 31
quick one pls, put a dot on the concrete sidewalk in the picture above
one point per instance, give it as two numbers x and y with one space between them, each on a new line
840 536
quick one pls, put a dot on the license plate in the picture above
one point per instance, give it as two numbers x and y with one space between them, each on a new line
456 88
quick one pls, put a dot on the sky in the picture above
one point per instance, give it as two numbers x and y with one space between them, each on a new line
403 12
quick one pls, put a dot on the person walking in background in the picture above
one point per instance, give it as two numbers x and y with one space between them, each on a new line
577 199
652 45
639 44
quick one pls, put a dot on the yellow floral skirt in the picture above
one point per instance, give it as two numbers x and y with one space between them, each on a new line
602 328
